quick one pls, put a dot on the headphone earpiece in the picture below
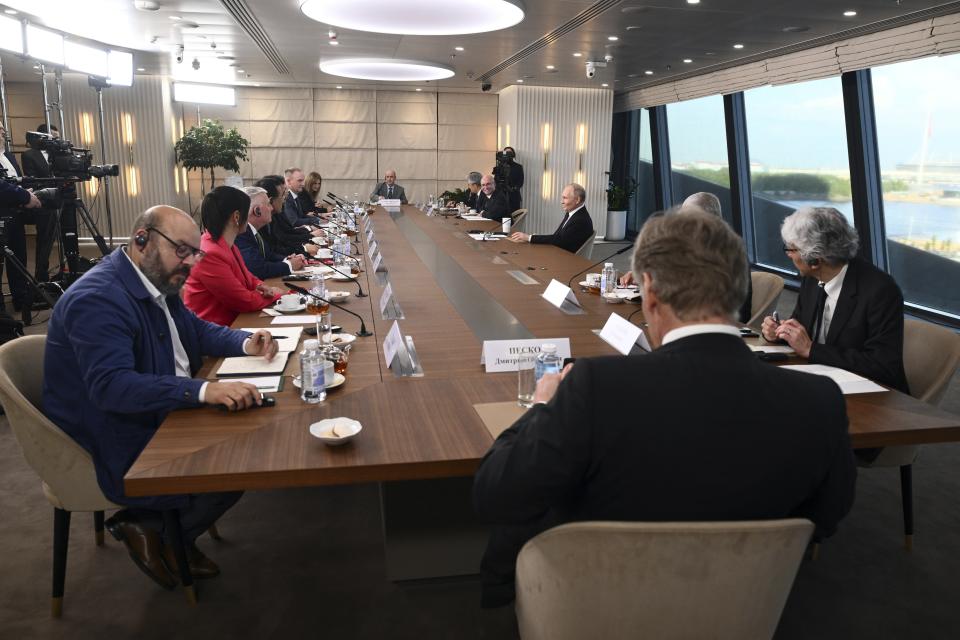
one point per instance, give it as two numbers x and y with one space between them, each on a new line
141 239
814 262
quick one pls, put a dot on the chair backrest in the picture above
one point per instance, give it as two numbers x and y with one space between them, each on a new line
518 217
766 294
931 354
587 247
63 465
663 580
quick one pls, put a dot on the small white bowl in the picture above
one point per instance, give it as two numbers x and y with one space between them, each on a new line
612 298
338 296
336 431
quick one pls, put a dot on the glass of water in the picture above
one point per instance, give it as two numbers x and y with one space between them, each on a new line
526 382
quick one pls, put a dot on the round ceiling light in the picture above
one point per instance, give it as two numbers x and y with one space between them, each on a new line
417 17
386 69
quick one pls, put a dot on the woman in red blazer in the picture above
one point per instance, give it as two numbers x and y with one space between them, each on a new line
220 287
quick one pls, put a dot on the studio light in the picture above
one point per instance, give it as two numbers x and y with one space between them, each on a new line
44 45
204 94
416 17
11 35
120 65
86 59
386 69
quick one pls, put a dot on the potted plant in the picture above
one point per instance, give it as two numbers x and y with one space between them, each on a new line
456 195
618 199
208 145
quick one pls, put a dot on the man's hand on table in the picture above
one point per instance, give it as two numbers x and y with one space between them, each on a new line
519 236
235 396
261 343
296 262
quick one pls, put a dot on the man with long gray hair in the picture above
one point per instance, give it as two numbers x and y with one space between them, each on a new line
693 431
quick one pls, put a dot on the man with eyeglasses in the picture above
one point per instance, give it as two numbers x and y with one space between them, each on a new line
120 355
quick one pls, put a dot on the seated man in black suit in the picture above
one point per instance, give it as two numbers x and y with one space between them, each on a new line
280 235
389 189
492 203
260 260
473 189
849 314
293 205
575 228
698 430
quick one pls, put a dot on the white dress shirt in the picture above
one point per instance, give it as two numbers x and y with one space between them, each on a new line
832 289
6 164
566 219
697 329
256 234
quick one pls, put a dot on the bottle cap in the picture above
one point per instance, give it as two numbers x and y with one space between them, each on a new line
607 264
548 347
311 345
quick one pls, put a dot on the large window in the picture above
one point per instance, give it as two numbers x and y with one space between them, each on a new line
698 150
798 157
644 201
918 135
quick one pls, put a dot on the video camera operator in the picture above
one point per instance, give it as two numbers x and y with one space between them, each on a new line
509 176
12 198
36 164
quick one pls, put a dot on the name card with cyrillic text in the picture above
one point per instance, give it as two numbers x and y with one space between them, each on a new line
392 343
390 202
621 334
557 293
502 355
385 298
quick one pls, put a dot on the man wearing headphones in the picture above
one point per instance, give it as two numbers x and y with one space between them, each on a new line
121 352
261 261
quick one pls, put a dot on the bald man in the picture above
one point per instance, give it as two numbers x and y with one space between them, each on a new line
492 203
121 352
389 189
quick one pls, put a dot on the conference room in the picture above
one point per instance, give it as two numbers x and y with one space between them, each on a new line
490 318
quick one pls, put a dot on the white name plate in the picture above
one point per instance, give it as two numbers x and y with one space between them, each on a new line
557 293
385 298
622 334
502 355
369 235
376 262
392 202
372 249
392 343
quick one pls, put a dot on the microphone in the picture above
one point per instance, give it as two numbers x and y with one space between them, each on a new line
356 281
624 250
344 207
345 255
363 333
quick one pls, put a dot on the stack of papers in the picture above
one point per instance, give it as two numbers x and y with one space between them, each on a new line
849 383
297 319
268 384
474 218
773 348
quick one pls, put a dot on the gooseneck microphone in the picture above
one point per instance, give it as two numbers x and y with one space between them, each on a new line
356 281
612 255
363 333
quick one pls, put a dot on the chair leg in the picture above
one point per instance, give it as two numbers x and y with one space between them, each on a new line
98 527
61 538
214 532
173 533
906 494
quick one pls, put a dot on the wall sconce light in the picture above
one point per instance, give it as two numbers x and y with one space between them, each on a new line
546 143
581 147
133 181
507 141
86 129
176 179
499 140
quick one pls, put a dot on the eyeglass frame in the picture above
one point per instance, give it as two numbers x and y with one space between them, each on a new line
179 247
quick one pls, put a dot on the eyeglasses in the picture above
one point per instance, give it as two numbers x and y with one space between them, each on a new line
182 250
788 249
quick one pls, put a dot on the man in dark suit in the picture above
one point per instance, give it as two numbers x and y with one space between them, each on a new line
575 228
509 174
492 202
293 207
259 259
281 236
849 314
15 233
698 430
389 189
36 165
473 193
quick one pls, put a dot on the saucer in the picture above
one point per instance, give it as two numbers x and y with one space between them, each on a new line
338 379
337 296
343 277
339 338
296 309
346 430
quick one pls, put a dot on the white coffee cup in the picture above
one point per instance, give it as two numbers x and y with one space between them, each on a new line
289 301
506 222
324 253
473 211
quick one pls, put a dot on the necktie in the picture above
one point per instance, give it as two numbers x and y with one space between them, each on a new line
263 252
565 218
389 192
818 313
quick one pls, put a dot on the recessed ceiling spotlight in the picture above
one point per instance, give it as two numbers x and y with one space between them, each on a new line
256 84
577 54
738 46
334 43
604 85
551 67
418 18
850 13
633 27
146 5
520 80
175 17
528 77
613 38
386 69
240 71
339 86
687 60
693 1
648 72
458 48
631 75
10 12
140 69
419 89
36 66
795 29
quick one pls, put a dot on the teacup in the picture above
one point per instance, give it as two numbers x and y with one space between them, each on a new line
473 211
593 279
325 254
289 301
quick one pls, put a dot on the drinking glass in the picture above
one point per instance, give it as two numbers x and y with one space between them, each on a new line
320 308
526 383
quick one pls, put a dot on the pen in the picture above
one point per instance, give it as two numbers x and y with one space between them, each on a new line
776 316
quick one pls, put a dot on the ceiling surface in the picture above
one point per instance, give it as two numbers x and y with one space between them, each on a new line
271 43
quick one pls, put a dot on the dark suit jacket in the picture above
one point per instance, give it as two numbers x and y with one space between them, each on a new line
866 332
696 430
744 314
283 238
573 234
11 195
294 211
268 264
381 191
307 205
109 378
34 164
496 207
472 200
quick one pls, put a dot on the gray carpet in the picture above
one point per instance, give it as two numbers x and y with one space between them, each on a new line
309 563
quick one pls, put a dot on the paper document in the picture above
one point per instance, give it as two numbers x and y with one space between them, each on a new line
268 384
475 218
481 236
290 339
848 382
271 312
252 366
771 348
300 319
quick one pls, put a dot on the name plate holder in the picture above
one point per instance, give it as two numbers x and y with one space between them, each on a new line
389 308
377 263
372 249
400 354
502 355
560 296
623 335
391 205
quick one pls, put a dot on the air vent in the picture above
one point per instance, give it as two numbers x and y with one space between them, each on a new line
244 17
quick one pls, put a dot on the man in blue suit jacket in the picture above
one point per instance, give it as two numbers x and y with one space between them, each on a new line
121 350
259 258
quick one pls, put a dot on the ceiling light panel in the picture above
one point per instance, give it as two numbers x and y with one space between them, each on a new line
44 45
11 35
386 69
417 17
86 59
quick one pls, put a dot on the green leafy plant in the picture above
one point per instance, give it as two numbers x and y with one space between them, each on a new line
618 196
457 195
208 146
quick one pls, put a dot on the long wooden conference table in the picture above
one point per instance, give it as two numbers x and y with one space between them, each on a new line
454 292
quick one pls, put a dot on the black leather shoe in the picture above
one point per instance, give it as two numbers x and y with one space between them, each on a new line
201 567
144 547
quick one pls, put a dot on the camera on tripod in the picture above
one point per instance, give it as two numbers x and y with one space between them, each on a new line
67 161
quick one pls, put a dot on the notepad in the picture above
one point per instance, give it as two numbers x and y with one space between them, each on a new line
267 384
480 236
298 319
474 218
291 336
848 382
771 348
252 366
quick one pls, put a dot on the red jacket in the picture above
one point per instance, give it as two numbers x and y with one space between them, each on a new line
220 287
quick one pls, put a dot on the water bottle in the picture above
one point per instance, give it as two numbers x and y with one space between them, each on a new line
547 361
313 387
608 278
344 249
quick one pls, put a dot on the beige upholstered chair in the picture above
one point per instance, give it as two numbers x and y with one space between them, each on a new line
668 580
65 468
518 218
766 293
931 354
587 247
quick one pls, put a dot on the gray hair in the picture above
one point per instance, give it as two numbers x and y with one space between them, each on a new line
579 192
820 233
474 177
697 264
704 200
254 191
